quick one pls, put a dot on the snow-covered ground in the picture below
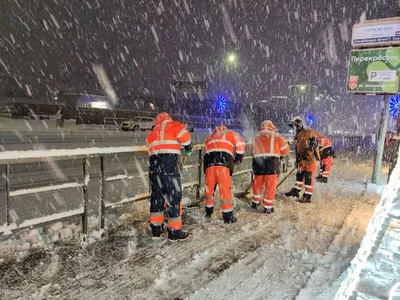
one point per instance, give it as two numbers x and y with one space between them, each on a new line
298 253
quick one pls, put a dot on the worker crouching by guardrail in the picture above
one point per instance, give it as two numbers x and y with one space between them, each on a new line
164 143
223 149
267 149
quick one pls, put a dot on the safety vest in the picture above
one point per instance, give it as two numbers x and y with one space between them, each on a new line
323 141
168 138
224 140
268 143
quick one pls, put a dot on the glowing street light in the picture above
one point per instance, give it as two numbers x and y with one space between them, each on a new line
231 61
231 58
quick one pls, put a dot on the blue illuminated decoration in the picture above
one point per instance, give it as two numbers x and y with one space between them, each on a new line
394 105
222 104
310 119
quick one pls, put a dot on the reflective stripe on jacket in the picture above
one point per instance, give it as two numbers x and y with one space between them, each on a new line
222 146
165 143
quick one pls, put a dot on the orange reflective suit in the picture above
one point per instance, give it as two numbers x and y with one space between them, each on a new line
164 144
222 149
267 148
326 152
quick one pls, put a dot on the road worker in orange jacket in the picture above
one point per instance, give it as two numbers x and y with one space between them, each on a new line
164 143
307 155
267 149
223 149
327 154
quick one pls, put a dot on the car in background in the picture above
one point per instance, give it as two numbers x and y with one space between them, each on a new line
138 123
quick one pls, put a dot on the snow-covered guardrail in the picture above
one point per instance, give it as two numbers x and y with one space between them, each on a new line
86 197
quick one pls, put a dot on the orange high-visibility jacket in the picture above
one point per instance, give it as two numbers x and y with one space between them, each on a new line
269 143
224 140
164 144
323 141
267 148
223 147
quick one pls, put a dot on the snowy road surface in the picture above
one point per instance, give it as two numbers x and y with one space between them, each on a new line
298 253
75 137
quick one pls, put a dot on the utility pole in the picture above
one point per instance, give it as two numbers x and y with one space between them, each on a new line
381 141
393 158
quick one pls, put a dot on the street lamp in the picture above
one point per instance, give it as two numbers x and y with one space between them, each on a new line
230 60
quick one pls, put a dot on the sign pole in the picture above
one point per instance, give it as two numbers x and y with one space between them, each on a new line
381 141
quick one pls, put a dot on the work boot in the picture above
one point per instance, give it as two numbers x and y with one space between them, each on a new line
209 211
157 231
306 199
177 235
254 205
324 180
319 178
229 218
293 193
269 211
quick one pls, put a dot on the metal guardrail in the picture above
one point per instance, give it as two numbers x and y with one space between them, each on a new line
90 158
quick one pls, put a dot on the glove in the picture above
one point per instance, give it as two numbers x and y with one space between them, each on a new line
238 159
187 153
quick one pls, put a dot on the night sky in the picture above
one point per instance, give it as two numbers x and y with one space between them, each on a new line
142 44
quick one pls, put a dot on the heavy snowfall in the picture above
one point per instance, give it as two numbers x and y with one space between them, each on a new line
113 114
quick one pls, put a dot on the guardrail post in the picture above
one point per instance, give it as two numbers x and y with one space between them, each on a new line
103 185
7 178
85 217
94 182
200 172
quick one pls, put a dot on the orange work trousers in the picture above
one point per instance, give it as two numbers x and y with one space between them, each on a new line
305 176
326 164
269 182
221 176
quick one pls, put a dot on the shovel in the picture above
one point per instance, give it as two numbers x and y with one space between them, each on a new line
184 160
243 195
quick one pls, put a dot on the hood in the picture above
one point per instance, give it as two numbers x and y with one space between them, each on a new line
161 118
220 129
296 121
267 125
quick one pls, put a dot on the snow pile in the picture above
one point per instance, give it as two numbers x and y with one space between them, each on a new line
375 270
19 245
